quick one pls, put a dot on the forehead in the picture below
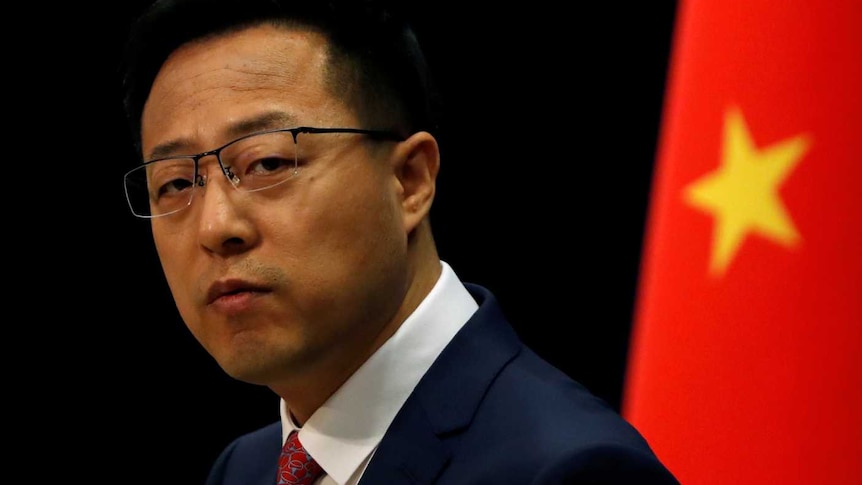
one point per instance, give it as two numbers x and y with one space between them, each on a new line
207 85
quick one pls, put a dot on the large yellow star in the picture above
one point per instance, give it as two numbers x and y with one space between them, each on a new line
742 194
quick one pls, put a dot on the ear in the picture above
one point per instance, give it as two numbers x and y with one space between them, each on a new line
417 161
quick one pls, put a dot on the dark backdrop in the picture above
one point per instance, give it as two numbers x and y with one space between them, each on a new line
552 120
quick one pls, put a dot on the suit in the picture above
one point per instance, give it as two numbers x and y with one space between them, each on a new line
488 411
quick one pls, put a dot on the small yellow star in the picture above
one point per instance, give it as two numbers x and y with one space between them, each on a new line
742 194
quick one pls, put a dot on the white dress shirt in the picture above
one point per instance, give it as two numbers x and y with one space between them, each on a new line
343 433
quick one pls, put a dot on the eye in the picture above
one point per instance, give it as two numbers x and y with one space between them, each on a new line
261 161
170 178
173 187
268 166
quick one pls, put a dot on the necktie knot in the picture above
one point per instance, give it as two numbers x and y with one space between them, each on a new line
296 466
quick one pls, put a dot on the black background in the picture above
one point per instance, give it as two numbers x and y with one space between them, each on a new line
552 120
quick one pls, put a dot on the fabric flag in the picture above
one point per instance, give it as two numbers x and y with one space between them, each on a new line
745 362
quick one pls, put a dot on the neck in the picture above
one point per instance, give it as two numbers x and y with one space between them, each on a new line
304 393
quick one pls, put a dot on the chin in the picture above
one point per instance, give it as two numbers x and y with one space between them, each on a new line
255 365
251 373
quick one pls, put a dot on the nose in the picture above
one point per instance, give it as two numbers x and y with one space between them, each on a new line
224 223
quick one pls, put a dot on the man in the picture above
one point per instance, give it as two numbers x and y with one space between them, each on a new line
290 169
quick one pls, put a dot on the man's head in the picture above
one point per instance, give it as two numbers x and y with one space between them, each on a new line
290 284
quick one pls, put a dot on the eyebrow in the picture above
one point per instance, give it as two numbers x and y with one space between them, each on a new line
264 121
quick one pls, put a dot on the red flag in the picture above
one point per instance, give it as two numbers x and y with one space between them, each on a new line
746 354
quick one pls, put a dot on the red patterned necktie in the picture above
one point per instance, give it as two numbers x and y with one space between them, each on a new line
296 466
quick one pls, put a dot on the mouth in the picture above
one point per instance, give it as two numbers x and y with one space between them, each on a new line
233 289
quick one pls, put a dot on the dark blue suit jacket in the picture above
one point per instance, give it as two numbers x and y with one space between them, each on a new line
488 412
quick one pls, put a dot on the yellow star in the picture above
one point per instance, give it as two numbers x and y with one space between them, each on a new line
742 194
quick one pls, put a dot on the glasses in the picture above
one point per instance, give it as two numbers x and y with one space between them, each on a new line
254 162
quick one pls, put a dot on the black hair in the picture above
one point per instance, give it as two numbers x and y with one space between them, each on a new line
376 63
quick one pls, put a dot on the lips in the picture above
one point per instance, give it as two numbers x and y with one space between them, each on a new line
231 287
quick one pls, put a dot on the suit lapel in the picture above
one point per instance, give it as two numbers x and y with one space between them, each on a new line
445 400
410 452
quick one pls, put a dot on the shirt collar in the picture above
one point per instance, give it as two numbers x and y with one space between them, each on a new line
342 434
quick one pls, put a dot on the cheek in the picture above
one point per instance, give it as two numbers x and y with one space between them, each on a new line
357 215
349 253
176 265
340 228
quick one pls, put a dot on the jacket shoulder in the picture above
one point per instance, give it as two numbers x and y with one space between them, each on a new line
249 459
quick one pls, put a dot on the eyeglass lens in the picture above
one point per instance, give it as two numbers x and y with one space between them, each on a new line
252 163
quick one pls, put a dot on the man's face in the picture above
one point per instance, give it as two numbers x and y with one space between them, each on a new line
299 278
